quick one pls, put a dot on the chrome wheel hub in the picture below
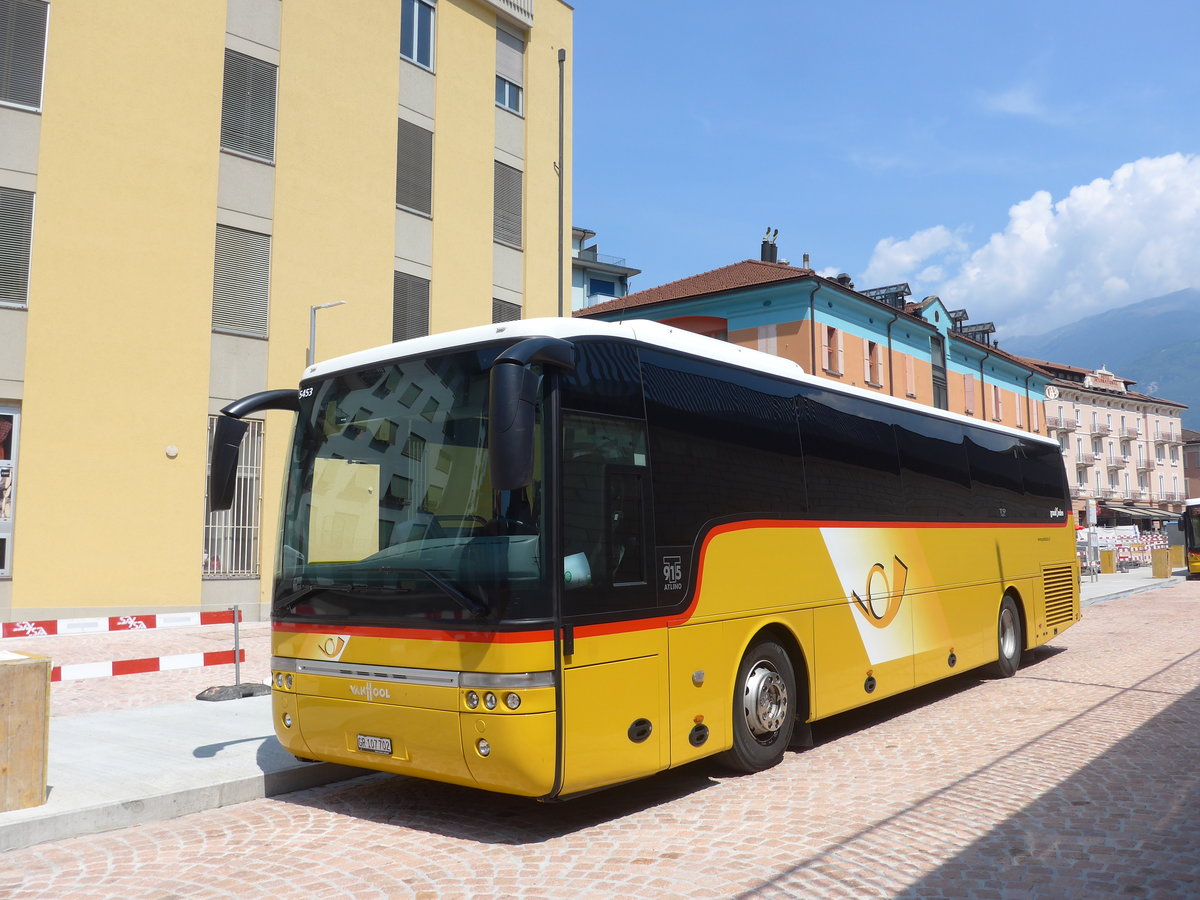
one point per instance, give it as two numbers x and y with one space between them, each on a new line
764 700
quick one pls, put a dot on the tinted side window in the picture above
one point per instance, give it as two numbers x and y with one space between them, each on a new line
723 444
850 458
606 380
996 469
1045 476
933 463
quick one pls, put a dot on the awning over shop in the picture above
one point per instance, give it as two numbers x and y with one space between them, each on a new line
1135 512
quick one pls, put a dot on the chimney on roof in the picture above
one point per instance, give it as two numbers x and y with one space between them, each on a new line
844 280
806 265
769 252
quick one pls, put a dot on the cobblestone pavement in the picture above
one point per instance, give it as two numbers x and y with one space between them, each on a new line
1078 778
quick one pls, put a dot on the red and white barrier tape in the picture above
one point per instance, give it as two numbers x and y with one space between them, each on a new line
102 624
77 671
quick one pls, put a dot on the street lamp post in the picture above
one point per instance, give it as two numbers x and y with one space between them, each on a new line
312 328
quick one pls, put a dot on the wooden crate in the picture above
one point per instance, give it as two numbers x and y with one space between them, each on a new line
24 730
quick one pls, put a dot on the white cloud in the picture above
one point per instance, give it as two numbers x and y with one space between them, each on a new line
1114 241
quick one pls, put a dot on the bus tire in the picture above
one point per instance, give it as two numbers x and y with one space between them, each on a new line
1009 640
764 708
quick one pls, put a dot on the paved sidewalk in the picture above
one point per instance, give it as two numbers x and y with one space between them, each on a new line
136 763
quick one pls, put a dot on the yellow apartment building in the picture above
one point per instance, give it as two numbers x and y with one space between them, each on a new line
181 185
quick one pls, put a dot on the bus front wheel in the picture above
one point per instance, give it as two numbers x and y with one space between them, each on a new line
764 708
1009 640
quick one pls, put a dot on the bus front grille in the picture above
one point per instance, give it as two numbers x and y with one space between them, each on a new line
1058 589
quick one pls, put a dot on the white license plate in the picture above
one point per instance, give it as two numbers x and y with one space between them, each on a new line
370 744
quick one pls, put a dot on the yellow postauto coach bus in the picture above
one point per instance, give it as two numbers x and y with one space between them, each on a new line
1189 524
549 556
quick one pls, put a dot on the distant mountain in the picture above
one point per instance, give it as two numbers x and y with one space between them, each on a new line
1155 342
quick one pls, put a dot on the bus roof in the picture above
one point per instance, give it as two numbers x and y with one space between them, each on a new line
642 331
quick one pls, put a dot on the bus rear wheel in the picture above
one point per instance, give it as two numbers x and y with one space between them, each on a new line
764 708
1009 640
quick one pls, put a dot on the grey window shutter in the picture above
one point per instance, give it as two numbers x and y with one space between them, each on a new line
503 311
510 57
507 211
22 51
410 306
414 167
248 106
241 281
16 238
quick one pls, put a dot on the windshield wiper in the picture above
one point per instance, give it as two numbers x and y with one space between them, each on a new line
453 591
475 607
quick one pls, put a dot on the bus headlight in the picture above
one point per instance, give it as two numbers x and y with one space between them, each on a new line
472 699
512 701
489 700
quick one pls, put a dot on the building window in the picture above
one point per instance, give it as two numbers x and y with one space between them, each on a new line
16 239
10 423
248 106
414 167
510 70
508 95
910 377
241 281
937 358
873 363
969 393
231 536
1034 419
506 213
601 287
416 31
1017 412
833 353
22 51
410 306
503 311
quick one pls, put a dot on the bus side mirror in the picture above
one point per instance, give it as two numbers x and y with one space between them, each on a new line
222 475
227 439
512 407
511 417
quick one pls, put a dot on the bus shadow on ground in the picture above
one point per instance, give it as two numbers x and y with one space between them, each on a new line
470 814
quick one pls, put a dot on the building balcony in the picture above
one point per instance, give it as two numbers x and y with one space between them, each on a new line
1100 428
1146 465
1127 432
1116 462
1085 459
1109 494
1079 491
1138 494
1062 423
521 10
1170 497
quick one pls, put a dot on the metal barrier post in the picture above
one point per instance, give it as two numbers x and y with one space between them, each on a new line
237 647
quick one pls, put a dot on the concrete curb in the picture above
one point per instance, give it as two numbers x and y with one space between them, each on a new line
129 767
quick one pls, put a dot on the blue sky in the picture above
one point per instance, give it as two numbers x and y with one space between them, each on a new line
1033 162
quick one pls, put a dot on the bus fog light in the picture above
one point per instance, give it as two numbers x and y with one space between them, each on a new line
489 700
287 720
512 701
484 748
278 679
290 682
472 699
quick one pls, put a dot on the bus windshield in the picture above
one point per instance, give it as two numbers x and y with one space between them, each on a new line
389 515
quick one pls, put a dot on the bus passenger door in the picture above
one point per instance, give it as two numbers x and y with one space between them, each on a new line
614 656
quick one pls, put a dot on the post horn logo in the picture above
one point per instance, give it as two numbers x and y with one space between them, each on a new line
883 598
333 646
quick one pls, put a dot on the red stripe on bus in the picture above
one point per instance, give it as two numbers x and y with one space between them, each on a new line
427 634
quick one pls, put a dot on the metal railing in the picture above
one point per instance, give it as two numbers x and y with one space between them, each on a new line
1062 423
590 254
231 537
521 10
1085 459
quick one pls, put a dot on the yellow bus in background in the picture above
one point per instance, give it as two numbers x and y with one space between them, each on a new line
1189 524
549 556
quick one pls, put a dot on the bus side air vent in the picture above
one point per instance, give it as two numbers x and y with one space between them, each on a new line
1058 589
